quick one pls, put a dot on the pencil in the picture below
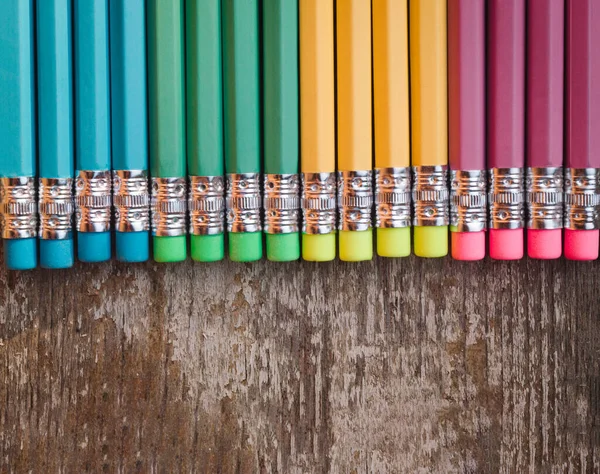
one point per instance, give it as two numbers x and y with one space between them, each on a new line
242 128
391 127
354 132
93 201
429 129
129 112
205 130
18 167
55 132
544 152
167 129
317 129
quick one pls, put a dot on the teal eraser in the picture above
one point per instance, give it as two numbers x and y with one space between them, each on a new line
20 254
132 247
57 254
93 246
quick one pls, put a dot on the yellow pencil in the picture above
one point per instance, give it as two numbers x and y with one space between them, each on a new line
355 187
429 111
317 129
391 127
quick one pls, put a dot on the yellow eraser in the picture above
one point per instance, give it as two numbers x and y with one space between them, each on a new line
356 246
318 247
431 241
393 242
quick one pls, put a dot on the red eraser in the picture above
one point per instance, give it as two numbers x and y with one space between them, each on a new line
544 244
468 246
582 244
506 244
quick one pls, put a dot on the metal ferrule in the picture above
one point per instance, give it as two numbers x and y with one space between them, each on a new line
282 203
207 205
506 198
131 200
93 201
18 208
169 207
243 202
430 196
319 203
544 198
56 208
355 199
392 197
468 200
582 198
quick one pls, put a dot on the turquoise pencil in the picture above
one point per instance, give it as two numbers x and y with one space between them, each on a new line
55 133
129 111
18 219
93 199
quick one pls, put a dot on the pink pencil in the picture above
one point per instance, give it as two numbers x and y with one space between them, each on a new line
506 126
545 72
466 94
582 176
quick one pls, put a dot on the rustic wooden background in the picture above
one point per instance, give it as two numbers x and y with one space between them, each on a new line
389 366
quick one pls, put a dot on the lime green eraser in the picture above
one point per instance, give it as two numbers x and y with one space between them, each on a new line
170 249
356 246
431 241
393 242
319 247
207 248
245 246
283 247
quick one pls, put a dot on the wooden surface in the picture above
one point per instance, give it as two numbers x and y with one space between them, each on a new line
390 366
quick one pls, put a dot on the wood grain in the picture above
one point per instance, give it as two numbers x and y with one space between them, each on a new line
391 366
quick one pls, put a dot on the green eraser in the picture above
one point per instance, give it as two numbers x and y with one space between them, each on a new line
431 241
356 246
319 247
283 247
393 242
208 248
245 246
170 249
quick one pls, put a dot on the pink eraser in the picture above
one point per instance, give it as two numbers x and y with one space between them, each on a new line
468 245
582 244
506 244
544 244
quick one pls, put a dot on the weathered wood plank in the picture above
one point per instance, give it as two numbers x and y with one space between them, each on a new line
390 366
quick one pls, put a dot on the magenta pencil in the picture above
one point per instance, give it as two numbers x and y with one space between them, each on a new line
506 126
466 95
545 83
582 174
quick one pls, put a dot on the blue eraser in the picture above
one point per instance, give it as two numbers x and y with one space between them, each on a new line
57 254
93 246
133 246
20 254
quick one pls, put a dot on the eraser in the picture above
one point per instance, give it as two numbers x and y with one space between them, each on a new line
506 244
93 246
283 247
57 254
207 248
170 249
20 254
393 242
245 246
319 247
582 244
544 244
468 246
133 247
356 245
431 241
